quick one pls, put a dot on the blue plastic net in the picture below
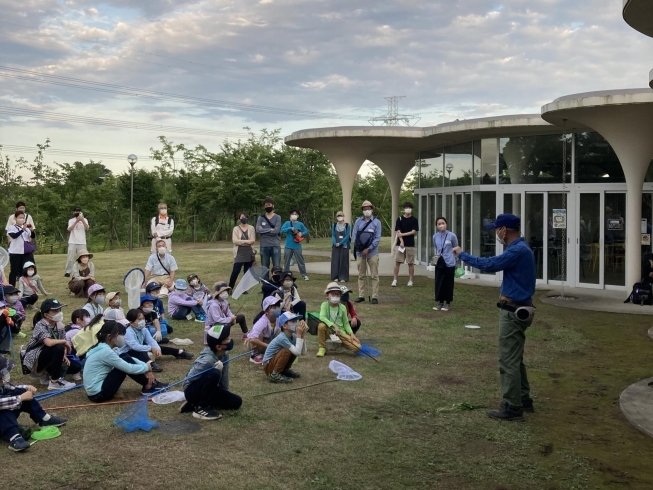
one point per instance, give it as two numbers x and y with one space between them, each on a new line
134 417
366 350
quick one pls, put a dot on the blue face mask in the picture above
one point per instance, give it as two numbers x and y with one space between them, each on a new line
230 345
276 313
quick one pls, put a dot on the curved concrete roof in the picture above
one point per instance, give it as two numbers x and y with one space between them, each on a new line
638 14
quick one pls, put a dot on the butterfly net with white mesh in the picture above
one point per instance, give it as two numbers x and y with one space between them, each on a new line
344 372
251 278
133 281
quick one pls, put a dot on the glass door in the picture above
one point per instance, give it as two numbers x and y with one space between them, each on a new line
557 257
589 241
534 229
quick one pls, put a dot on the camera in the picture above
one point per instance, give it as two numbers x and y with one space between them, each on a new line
150 237
76 214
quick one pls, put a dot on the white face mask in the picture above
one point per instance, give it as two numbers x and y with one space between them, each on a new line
223 295
292 326
334 300
294 217
194 282
147 310
99 299
139 325
58 317
12 300
87 320
287 284
117 302
20 221
502 241
340 218
119 341
408 211
163 212
30 272
367 213
162 250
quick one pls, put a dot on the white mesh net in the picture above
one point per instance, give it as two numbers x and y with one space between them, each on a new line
344 372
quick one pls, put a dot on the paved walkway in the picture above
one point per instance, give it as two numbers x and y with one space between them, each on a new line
636 403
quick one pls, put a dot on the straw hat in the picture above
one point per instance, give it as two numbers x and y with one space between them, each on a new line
219 287
82 253
332 286
111 295
367 204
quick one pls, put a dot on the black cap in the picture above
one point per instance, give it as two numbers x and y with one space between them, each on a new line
288 274
51 304
276 268
9 289
153 286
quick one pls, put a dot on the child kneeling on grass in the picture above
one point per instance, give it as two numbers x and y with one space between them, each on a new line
264 329
284 349
180 305
208 393
333 317
105 370
139 342
17 399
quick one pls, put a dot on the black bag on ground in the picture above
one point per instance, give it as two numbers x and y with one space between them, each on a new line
642 294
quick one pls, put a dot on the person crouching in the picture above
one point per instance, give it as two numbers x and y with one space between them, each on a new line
284 349
333 318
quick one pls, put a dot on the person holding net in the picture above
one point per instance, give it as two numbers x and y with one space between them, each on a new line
219 312
333 318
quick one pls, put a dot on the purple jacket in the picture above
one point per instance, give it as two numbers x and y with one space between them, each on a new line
177 299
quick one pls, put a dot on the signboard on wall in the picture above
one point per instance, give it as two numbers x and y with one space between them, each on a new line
646 239
559 218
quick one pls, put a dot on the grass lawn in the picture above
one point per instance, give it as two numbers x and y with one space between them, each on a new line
384 431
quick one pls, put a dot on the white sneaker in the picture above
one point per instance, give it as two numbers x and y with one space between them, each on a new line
44 379
410 284
305 278
60 384
189 317
445 308
394 283
77 377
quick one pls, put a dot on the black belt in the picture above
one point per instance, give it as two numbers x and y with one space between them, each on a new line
508 307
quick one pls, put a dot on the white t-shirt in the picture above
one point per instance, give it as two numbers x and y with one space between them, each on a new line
154 266
11 221
78 235
17 245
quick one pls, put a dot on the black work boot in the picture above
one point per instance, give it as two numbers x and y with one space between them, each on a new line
527 405
508 413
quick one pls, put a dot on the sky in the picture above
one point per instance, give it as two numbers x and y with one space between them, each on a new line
451 59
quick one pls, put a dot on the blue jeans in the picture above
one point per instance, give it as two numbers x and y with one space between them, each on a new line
9 418
268 253
184 311
299 257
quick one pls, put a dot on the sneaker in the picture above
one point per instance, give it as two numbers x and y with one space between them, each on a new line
305 278
206 414
44 379
184 355
256 359
321 351
360 299
375 301
148 391
289 373
20 335
156 368
438 307
77 377
507 413
164 340
189 317
445 307
200 318
53 422
410 284
527 405
279 378
67 274
244 336
186 407
60 384
394 283
159 385
18 444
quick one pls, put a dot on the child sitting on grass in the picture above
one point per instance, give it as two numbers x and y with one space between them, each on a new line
219 312
180 305
105 370
208 393
158 329
9 300
333 318
264 329
284 349
113 298
198 290
78 320
96 297
29 285
15 400
153 289
139 342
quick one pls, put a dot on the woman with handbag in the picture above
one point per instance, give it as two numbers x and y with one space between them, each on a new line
21 247
244 254
340 246
444 260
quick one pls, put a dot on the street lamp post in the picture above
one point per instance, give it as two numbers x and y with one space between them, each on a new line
449 167
132 159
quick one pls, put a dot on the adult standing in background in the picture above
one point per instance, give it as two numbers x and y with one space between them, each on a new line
295 232
406 227
366 236
444 242
77 227
161 268
11 220
20 233
340 245
243 238
515 313
268 226
161 228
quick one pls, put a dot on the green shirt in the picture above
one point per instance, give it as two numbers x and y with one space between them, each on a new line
330 316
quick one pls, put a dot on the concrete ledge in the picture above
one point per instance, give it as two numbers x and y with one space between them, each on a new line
650 333
605 301
636 403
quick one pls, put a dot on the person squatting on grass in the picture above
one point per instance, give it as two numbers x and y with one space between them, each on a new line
139 342
333 317
8 302
289 295
153 290
105 370
78 320
264 329
114 301
15 400
83 274
96 296
352 316
161 267
284 349
219 312
29 285
48 348
180 305
208 393
198 290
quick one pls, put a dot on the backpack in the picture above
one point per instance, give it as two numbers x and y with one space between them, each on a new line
642 294
170 220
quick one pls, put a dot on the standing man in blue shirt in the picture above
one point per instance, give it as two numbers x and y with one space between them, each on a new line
366 235
515 312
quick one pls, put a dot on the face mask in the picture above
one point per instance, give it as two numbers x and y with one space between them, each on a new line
139 325
244 220
147 310
58 317
30 272
334 299
194 282
223 295
502 241
12 299
119 341
287 284
276 313
162 250
163 212
230 345
269 209
20 221
292 326
99 299
367 213
117 302
340 218
294 217
276 277
157 295
408 211
87 320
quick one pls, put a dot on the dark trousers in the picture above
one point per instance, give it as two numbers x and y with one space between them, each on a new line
299 309
16 262
183 311
205 392
29 300
236 270
9 418
142 356
51 360
240 320
114 380
444 281
356 327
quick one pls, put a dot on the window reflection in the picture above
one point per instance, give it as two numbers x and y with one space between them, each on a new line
458 164
431 165
533 159
596 161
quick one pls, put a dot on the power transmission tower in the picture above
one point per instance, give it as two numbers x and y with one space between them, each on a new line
392 117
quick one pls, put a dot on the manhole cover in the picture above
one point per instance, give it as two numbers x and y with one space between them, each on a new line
390 298
175 427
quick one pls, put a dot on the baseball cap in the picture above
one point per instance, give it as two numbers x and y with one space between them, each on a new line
288 316
153 286
51 304
147 297
181 285
94 289
508 220
270 301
